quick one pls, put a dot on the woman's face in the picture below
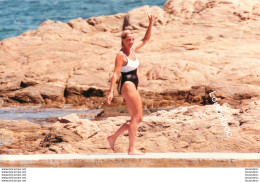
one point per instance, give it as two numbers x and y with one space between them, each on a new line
129 40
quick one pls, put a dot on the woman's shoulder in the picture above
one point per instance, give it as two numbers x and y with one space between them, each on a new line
120 57
120 54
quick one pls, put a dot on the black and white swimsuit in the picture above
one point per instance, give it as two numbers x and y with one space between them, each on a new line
129 71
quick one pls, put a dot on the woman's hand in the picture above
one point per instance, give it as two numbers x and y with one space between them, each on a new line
147 35
150 17
109 97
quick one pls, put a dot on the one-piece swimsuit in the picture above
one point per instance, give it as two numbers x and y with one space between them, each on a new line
129 71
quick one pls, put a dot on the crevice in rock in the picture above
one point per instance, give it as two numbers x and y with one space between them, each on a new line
21 100
49 139
104 46
125 22
93 92
66 93
92 135
25 84
241 123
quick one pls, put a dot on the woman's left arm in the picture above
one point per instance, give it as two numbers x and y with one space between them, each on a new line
147 35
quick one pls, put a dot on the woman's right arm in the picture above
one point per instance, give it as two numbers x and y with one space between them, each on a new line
118 65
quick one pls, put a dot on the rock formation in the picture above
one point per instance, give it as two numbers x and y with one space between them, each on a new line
197 46
195 43
184 129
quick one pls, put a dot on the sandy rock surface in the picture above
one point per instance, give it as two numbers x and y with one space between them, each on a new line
184 129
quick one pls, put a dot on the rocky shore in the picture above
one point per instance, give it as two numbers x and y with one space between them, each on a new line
184 129
197 46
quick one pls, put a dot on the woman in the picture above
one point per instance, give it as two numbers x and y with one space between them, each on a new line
127 63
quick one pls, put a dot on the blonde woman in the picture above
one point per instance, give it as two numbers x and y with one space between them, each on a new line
127 63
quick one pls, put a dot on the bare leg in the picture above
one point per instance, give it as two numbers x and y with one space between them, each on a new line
132 133
134 106
112 139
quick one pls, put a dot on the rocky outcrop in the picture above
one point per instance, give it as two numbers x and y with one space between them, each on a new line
203 44
184 129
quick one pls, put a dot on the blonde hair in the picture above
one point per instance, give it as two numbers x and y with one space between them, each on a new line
124 35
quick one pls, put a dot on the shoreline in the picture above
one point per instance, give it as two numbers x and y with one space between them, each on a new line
184 129
26 14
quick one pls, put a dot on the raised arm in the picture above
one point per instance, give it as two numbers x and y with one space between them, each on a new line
147 35
118 65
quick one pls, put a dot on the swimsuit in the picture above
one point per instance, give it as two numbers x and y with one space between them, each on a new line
129 72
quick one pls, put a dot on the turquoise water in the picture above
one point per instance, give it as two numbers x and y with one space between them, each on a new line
18 16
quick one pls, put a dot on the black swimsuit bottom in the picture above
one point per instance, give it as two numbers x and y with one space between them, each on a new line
129 76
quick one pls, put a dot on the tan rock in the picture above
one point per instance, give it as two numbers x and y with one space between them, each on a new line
197 46
193 45
184 129
137 18
72 118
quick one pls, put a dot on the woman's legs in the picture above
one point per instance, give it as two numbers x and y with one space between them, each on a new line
112 139
134 106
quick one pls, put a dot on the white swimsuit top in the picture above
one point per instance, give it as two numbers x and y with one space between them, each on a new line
131 64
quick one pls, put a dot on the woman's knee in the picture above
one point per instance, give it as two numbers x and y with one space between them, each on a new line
138 118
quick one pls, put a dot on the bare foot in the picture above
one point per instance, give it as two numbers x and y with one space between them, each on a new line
135 152
111 142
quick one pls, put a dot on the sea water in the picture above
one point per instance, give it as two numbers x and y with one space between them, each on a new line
18 16
37 114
